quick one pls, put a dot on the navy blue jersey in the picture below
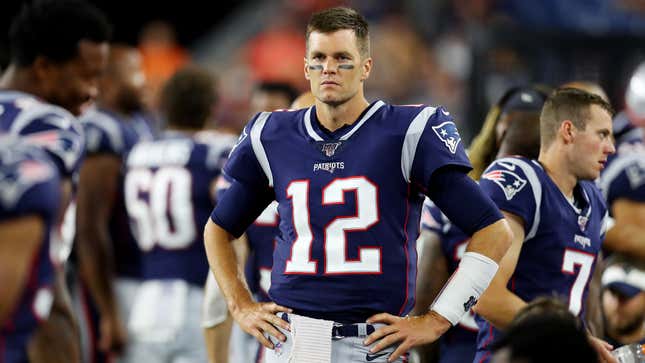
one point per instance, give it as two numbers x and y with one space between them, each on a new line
562 238
43 124
459 343
349 203
29 185
168 198
262 238
108 133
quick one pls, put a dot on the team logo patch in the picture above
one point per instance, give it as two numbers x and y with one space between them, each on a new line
582 240
510 182
448 134
329 148
582 222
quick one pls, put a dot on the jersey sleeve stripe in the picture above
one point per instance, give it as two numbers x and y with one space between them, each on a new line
536 187
258 148
411 141
40 110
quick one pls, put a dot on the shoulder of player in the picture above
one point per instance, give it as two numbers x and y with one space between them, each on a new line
417 118
514 174
36 115
102 127
26 173
515 164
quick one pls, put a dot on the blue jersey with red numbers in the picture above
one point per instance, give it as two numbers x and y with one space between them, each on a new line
29 186
45 125
168 193
111 134
349 203
562 238
460 342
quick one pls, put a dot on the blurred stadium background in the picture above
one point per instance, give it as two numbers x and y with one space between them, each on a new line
462 54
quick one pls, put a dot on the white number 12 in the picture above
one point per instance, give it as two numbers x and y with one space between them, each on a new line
335 243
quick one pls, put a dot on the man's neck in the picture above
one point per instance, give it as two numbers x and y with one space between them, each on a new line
333 117
17 79
556 167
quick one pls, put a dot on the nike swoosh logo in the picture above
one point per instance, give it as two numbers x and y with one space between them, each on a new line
371 357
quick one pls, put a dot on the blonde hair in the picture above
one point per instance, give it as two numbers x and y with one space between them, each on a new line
483 148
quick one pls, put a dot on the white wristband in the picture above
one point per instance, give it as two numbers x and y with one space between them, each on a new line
465 286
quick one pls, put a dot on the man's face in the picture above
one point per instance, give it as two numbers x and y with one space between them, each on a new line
262 100
334 66
128 80
623 315
593 145
73 84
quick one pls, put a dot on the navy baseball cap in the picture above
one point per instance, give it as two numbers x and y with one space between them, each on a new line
524 99
624 279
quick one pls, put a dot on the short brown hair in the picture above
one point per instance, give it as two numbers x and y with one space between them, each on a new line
340 18
188 98
567 104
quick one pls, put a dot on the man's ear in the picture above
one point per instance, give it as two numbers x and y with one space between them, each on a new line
306 69
568 131
367 68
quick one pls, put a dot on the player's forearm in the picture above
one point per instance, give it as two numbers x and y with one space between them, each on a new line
492 241
432 271
96 258
223 263
499 306
96 268
97 190
626 238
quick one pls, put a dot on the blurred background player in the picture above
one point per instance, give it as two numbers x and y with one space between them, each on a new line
557 214
544 331
441 244
271 96
169 190
623 301
259 236
108 256
52 75
623 180
29 207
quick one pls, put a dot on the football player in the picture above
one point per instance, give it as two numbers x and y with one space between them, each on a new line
169 193
348 176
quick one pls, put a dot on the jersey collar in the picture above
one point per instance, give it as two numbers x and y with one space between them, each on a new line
317 135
